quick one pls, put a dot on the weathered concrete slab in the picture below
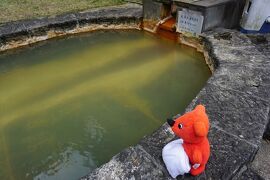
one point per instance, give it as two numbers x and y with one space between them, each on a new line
246 173
262 43
261 163
220 165
154 143
147 156
132 163
250 79
234 112
12 31
238 92
259 168
233 47
228 154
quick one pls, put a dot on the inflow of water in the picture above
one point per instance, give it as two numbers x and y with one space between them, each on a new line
69 105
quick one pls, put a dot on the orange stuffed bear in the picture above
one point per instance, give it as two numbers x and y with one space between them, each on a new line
192 129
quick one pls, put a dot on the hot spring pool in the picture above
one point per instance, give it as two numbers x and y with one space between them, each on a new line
68 105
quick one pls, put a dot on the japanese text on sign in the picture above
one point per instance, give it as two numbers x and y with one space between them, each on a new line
189 21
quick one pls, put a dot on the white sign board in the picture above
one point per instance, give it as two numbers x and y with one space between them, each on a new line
189 21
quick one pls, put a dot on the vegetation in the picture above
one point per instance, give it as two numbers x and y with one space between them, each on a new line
12 10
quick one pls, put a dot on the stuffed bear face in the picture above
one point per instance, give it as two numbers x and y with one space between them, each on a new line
193 126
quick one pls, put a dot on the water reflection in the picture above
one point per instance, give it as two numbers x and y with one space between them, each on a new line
71 163
69 105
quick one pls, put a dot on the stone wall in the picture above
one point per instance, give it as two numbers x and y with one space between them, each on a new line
237 102
21 33
262 43
236 96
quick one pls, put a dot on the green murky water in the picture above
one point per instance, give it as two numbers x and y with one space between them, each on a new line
69 105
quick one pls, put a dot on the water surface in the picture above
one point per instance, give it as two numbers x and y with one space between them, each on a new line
68 105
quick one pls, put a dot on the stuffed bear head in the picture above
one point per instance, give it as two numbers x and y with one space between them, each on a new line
193 126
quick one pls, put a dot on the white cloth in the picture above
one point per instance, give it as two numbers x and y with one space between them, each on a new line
175 158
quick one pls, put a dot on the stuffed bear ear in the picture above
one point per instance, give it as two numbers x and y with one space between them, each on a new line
200 129
200 108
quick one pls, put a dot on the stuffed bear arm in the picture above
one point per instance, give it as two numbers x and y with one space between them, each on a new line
197 157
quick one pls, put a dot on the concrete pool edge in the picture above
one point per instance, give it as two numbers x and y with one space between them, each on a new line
25 32
235 96
237 101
